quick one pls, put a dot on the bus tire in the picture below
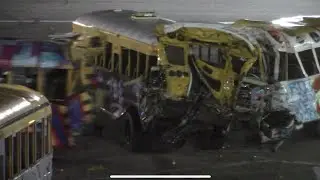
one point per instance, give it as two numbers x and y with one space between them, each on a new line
131 135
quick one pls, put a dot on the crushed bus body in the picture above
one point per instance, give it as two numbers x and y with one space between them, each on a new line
159 78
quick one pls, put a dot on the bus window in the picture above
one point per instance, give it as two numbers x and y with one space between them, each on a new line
16 153
318 53
294 69
25 76
142 63
32 144
95 42
210 55
125 59
55 83
175 55
116 62
108 55
133 64
308 62
283 66
99 61
39 140
9 157
46 136
270 61
153 60
25 149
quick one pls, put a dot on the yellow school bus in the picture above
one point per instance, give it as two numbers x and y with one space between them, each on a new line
195 77
120 41
25 134
147 78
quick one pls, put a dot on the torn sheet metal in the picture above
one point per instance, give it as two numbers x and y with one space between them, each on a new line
212 27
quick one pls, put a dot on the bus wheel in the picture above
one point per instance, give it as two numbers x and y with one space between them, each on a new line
131 134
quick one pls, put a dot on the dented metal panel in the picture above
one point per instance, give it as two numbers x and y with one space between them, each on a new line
212 27
121 22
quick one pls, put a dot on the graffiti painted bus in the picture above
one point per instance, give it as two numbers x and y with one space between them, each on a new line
46 67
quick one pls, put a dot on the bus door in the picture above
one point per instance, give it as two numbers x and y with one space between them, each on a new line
177 70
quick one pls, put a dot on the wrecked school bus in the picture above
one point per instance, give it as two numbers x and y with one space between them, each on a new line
188 78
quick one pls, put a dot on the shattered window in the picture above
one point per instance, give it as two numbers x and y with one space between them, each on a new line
308 62
294 69
289 67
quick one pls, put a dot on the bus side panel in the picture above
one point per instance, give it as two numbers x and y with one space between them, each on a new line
301 97
59 130
41 171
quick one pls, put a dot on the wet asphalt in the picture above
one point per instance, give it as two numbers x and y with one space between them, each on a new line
96 158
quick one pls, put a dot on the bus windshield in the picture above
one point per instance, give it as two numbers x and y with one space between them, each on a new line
290 68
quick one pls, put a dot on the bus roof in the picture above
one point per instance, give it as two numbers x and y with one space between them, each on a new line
17 101
213 28
121 22
290 34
